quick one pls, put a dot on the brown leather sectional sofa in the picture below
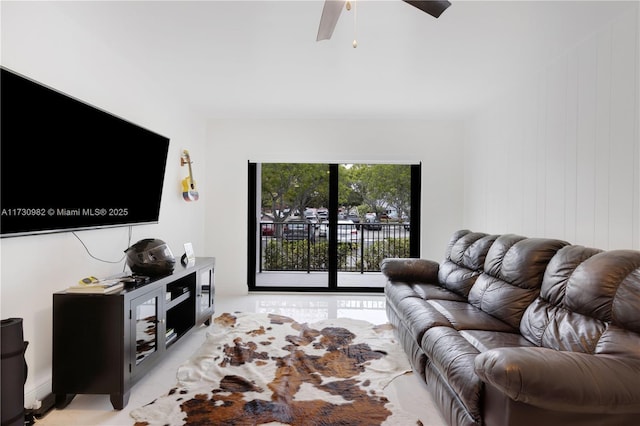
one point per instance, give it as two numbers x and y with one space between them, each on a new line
509 330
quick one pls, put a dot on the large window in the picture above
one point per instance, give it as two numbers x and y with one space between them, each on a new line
327 226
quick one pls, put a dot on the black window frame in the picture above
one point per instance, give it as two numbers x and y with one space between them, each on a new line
332 285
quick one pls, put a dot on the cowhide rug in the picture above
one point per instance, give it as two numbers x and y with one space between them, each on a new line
256 369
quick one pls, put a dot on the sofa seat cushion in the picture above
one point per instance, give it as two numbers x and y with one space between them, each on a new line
419 316
434 291
485 340
452 357
463 316
395 291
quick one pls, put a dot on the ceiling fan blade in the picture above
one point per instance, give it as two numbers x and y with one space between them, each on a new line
330 13
433 8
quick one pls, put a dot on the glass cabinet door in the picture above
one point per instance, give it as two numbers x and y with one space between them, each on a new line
147 315
205 294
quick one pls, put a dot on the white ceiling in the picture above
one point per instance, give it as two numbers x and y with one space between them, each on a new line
261 58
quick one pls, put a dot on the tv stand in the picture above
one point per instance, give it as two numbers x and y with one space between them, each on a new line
103 344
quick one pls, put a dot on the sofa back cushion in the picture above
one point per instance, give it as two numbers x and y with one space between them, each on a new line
464 260
512 276
588 303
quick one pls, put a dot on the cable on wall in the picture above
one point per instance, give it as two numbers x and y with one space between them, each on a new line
104 260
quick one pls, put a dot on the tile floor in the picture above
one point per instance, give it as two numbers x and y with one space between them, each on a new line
408 391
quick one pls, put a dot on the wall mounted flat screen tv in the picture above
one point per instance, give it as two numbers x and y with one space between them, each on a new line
67 166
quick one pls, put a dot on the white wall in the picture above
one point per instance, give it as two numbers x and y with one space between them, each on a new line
560 155
233 143
40 42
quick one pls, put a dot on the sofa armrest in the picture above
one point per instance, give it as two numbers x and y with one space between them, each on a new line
410 270
563 381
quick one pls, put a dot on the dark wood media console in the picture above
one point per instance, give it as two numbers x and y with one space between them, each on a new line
103 344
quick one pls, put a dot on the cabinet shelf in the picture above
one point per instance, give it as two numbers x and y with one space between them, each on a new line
178 300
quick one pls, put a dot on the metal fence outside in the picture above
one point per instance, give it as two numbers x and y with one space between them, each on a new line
304 246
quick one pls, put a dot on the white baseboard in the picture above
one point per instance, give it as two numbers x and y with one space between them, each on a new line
33 398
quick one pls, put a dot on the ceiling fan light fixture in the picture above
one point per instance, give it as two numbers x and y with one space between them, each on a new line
355 23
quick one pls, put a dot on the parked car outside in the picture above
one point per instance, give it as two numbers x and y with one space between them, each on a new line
354 218
323 229
296 229
372 225
322 213
313 219
268 228
347 232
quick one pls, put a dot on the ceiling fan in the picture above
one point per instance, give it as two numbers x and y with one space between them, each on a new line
332 9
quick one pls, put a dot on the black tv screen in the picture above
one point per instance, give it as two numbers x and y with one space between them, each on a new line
66 165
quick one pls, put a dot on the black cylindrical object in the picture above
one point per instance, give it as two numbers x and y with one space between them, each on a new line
13 371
